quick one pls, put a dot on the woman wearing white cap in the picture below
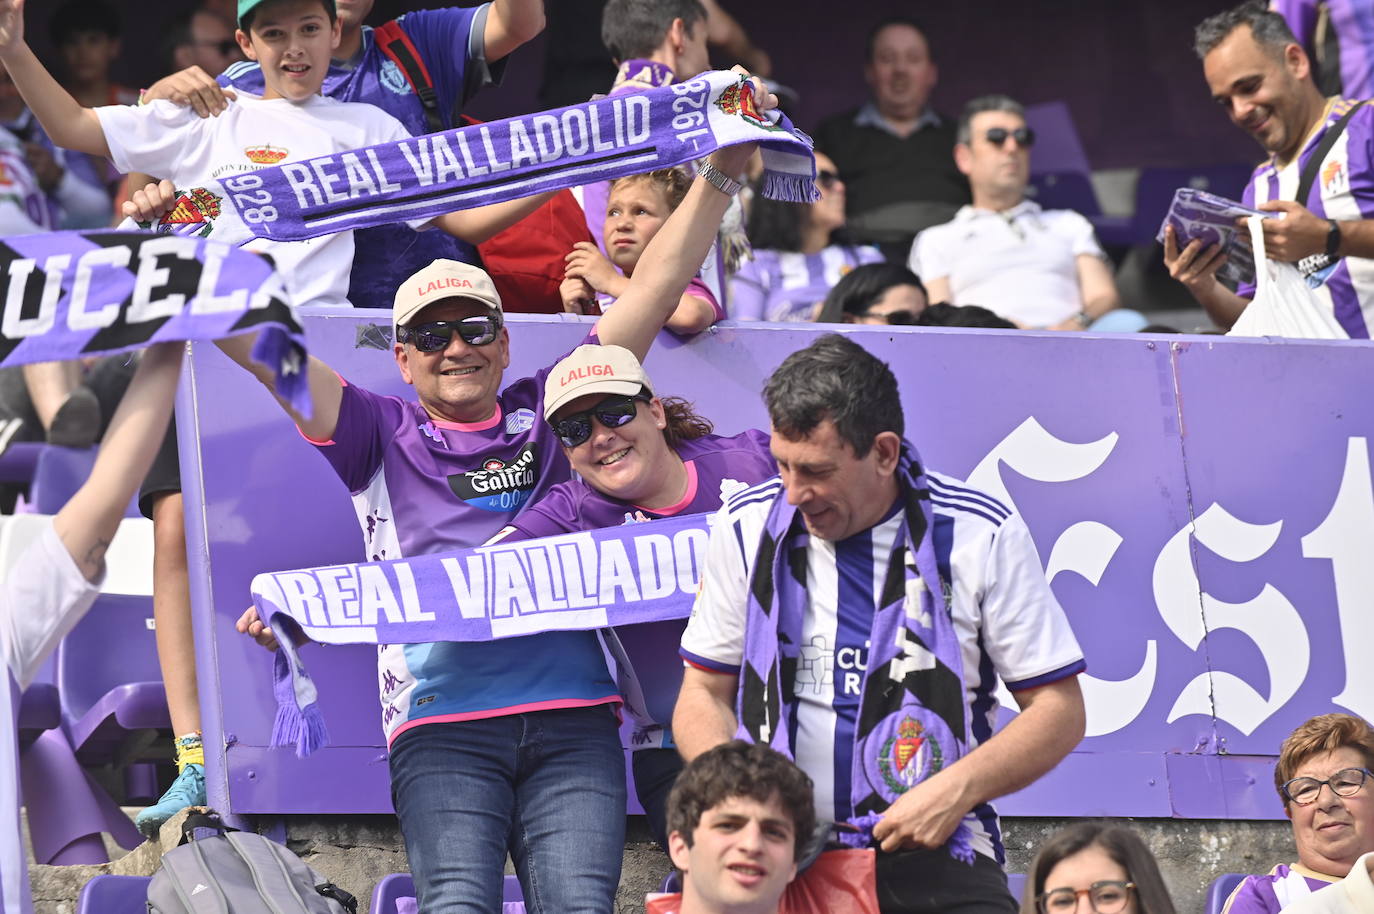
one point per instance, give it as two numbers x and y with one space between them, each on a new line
638 457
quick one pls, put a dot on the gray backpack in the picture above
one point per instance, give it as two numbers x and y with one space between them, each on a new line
236 872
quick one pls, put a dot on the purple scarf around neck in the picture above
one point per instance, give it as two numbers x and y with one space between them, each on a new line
913 719
422 177
73 294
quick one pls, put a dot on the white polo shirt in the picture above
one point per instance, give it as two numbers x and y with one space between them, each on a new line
1021 263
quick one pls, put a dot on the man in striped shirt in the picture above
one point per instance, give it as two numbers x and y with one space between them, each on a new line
1261 76
837 436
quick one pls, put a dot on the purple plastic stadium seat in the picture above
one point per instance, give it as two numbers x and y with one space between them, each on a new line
396 893
109 693
1016 884
1058 148
1221 889
58 472
114 895
19 460
1065 190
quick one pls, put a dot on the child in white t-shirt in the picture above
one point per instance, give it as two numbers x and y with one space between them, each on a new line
293 41
57 578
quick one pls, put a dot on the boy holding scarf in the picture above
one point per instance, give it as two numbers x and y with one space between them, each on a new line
853 613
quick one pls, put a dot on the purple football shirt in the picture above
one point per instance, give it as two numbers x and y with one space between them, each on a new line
420 486
1274 891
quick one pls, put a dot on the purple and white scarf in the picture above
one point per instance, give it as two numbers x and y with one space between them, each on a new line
73 294
423 177
912 720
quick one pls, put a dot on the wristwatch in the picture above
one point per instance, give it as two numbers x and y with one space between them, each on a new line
1333 238
719 179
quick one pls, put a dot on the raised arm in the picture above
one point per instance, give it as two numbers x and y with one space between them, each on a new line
480 223
67 123
676 252
326 390
88 521
511 23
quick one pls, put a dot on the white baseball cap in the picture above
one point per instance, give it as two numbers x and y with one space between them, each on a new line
441 280
593 370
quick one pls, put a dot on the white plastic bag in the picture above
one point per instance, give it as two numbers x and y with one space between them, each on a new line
1283 304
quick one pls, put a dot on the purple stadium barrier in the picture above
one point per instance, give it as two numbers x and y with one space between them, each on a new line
1146 469
395 894
114 895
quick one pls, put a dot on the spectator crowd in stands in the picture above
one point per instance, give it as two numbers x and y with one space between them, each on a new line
918 219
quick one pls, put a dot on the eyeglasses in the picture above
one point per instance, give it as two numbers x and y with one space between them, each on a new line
1106 897
1024 136
612 412
895 318
827 179
1344 783
478 330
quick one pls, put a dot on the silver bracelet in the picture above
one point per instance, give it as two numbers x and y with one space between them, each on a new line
719 179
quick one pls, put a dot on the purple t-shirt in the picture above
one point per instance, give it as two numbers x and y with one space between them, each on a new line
451 44
1274 891
717 467
421 486
788 285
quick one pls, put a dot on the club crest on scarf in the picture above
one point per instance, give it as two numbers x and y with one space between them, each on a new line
193 213
903 750
733 101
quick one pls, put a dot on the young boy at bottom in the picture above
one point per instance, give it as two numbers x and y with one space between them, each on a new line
58 577
293 41
738 819
636 209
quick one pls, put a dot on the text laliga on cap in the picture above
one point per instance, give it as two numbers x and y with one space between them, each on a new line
593 370
440 280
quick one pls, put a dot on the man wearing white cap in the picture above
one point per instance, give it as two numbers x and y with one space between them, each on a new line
511 745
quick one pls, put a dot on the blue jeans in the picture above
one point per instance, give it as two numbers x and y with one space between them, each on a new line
547 786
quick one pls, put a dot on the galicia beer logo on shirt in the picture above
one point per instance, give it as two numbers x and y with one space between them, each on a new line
498 485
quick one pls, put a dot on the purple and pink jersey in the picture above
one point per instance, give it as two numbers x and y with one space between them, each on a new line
789 285
717 467
1274 891
421 486
451 44
1344 189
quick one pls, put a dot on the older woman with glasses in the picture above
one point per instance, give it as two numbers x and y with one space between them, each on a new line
1323 777
800 252
638 457
1095 867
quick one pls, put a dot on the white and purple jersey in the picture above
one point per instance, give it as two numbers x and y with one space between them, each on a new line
451 44
1344 189
421 486
717 467
1009 623
1275 890
789 285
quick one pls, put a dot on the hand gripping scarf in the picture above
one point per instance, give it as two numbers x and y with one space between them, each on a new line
72 294
422 177
912 720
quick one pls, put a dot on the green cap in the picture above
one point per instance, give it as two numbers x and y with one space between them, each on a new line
247 6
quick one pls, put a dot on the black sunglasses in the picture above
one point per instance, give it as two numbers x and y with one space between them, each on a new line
612 412
226 47
827 179
1024 136
478 330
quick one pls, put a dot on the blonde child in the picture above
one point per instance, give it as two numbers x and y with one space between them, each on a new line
636 209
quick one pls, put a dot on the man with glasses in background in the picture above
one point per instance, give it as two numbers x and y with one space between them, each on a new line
1040 269
1324 779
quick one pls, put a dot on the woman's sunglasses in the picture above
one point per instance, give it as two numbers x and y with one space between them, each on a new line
827 179
435 336
1024 136
612 412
